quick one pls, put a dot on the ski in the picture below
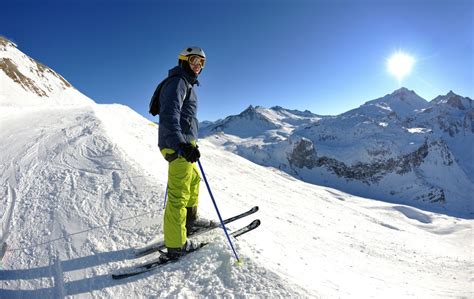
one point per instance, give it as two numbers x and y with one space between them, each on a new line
157 262
253 225
159 245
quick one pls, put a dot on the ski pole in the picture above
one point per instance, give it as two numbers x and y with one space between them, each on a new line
166 194
218 213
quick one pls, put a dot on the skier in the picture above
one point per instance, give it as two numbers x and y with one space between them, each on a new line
178 133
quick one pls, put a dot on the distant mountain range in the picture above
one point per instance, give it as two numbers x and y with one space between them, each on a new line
399 148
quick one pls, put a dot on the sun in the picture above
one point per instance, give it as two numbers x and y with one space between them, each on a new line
400 64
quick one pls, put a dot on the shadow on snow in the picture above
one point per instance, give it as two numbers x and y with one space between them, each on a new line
85 285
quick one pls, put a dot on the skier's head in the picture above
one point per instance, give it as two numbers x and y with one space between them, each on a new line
192 59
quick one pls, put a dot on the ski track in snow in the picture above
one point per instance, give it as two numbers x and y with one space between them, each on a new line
86 184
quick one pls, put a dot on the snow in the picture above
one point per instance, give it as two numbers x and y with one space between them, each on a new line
418 130
88 185
383 107
81 184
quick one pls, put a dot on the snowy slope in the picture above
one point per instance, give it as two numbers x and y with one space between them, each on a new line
81 200
82 184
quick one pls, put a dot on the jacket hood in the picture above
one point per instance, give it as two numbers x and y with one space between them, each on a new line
177 70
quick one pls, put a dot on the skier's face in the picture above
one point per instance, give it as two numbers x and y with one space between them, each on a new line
196 68
196 63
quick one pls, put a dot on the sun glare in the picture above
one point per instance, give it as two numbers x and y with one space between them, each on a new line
400 65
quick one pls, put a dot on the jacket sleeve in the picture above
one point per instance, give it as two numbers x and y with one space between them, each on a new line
172 97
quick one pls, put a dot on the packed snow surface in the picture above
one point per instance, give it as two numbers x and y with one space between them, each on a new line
82 185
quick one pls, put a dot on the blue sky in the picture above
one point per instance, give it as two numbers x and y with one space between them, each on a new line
324 56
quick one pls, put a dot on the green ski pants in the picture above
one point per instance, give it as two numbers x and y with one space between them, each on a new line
183 192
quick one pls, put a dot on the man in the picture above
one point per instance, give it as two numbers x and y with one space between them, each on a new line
178 133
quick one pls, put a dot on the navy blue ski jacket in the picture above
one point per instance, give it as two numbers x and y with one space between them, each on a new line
178 110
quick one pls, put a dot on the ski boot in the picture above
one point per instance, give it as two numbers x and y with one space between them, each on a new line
194 223
173 254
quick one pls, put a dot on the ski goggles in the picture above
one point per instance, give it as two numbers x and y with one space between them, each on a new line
194 60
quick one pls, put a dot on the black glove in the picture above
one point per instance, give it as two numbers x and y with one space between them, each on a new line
189 152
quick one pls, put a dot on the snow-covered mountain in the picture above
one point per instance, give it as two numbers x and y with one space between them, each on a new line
82 183
34 83
399 148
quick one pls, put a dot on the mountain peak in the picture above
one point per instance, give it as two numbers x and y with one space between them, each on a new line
454 100
402 102
407 96
249 110
277 108
253 112
299 113
402 89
